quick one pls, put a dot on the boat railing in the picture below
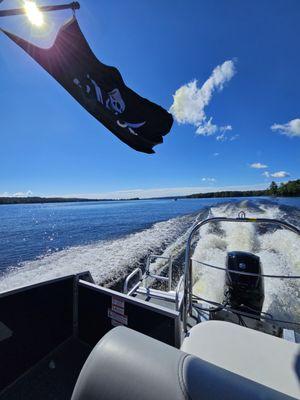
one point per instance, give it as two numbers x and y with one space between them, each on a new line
188 270
178 291
148 274
132 275
141 283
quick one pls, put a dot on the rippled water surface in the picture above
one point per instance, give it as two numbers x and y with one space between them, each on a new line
39 242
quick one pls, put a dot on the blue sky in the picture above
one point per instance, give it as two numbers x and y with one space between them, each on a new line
50 146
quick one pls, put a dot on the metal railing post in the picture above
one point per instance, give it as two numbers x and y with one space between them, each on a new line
170 274
129 277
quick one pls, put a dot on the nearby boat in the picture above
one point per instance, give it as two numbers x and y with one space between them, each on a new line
69 337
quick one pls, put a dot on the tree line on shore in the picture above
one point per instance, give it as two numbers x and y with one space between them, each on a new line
35 199
288 189
43 200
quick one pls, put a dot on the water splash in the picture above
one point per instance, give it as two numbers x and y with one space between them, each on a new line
108 261
278 249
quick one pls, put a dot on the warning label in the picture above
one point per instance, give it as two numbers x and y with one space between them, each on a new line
117 302
122 319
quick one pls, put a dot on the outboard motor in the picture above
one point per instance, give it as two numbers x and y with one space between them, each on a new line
244 292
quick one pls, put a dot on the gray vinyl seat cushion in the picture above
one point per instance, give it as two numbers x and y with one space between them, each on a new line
127 365
262 358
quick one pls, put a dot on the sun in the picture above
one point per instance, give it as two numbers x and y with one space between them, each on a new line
33 13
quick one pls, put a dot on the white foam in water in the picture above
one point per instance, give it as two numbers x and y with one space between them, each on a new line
106 260
109 261
278 250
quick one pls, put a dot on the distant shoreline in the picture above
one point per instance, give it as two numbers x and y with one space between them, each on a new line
45 200
289 189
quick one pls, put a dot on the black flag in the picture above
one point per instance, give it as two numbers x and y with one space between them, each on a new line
100 89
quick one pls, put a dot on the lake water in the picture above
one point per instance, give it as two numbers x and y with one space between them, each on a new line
44 241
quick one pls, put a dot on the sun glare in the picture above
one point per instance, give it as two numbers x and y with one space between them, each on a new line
33 13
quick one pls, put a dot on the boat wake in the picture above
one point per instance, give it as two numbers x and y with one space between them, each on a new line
110 261
278 249
107 260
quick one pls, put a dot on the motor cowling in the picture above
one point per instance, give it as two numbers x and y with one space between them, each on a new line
244 292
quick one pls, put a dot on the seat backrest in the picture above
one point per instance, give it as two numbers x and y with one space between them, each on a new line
128 365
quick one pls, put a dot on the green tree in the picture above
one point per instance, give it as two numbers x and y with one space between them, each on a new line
273 189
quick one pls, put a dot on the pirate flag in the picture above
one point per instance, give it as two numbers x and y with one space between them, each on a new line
100 89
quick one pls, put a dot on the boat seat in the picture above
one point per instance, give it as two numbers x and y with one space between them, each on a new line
265 359
128 365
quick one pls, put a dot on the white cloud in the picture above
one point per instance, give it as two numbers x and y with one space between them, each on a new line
163 192
211 180
225 128
17 194
189 101
258 165
207 128
278 174
216 154
224 138
291 128
23 194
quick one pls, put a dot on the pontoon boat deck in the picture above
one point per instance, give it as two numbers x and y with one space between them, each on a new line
70 338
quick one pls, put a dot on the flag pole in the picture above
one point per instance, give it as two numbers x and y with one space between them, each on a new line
19 11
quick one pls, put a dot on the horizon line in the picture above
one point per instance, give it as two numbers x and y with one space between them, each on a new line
145 193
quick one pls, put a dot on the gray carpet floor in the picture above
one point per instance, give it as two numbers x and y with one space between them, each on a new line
54 377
